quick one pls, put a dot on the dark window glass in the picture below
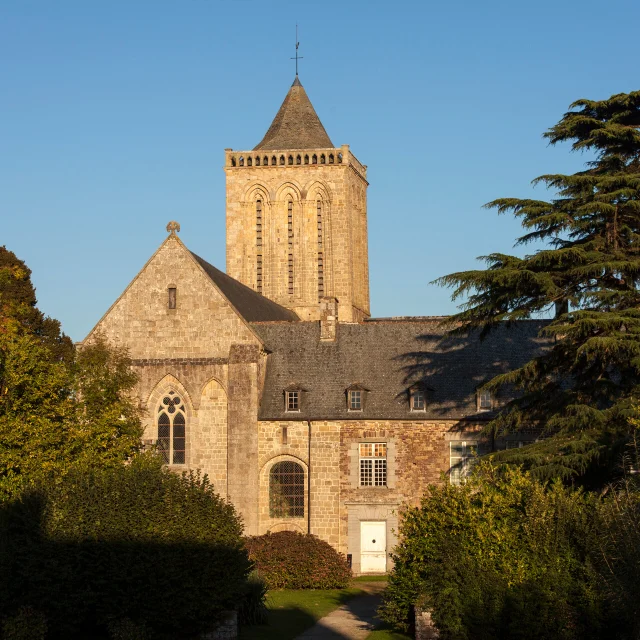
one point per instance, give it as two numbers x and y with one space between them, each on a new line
164 430
172 297
293 400
286 490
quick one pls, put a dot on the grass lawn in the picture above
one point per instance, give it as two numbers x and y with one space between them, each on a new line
291 612
387 634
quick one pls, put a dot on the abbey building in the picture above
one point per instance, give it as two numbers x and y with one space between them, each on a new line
274 380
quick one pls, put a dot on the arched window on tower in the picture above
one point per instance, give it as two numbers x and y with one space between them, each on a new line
249 161
320 250
290 233
259 246
257 161
286 490
172 429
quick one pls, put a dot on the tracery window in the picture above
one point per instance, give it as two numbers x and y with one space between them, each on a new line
286 490
172 427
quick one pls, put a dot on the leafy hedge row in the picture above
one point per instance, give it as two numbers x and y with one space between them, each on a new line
290 560
131 547
505 556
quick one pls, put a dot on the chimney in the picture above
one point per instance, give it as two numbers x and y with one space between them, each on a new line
328 319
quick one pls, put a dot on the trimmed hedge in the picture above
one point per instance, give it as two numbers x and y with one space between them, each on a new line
136 546
291 560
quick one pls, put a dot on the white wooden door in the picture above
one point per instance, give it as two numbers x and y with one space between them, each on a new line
373 547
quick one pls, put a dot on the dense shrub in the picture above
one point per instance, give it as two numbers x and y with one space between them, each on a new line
134 547
290 560
502 556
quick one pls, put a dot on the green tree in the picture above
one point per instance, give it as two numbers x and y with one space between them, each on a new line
583 389
18 310
502 556
56 417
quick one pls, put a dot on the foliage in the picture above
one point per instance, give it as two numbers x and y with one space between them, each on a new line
291 560
501 556
56 416
253 606
132 542
617 546
583 388
26 624
18 311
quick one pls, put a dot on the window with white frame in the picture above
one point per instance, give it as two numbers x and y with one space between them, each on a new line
355 399
463 455
417 399
373 464
172 429
484 400
292 400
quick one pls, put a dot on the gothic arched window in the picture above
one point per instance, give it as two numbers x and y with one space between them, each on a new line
286 490
172 428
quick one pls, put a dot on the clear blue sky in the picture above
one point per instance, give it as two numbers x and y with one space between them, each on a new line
114 116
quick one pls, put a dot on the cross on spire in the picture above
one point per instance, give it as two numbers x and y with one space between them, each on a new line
297 57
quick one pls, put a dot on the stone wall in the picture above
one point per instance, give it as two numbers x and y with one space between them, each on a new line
203 324
340 188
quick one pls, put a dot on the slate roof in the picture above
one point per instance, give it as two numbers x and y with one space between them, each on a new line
296 125
387 357
253 307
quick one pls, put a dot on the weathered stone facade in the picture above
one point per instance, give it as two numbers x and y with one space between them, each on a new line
307 394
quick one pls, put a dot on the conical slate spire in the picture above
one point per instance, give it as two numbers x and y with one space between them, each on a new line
296 125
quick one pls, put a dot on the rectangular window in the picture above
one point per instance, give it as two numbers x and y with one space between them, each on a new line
417 400
355 400
463 455
172 297
284 435
373 464
485 401
292 400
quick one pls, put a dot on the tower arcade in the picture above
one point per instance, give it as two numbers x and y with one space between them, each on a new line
297 216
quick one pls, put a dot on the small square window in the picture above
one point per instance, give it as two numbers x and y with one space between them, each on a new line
355 400
292 400
417 400
485 401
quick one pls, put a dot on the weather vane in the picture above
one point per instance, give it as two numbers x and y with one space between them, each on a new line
297 57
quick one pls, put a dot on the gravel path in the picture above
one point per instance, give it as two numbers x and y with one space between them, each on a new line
354 620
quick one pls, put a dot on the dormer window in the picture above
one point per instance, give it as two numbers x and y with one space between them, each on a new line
292 400
355 400
417 400
484 400
355 396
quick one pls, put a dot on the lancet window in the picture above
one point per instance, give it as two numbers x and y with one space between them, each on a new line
320 250
259 245
290 234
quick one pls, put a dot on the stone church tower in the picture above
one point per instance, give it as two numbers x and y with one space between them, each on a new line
297 216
